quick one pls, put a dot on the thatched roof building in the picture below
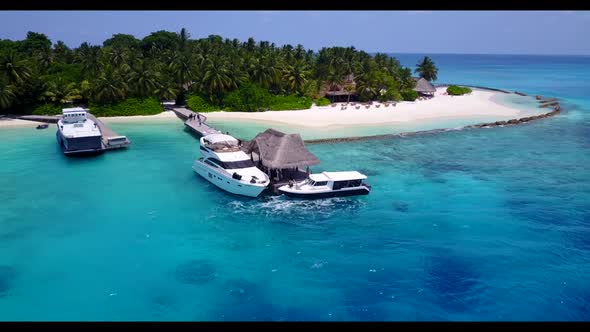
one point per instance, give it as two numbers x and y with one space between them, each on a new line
423 86
278 150
342 92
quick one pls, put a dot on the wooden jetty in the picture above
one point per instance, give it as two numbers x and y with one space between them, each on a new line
110 139
197 124
41 118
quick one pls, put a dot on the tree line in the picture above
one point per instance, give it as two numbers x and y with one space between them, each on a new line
168 65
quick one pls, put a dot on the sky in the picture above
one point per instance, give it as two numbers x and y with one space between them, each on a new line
479 32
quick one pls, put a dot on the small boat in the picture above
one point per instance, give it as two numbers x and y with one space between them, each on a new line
43 126
328 184
226 166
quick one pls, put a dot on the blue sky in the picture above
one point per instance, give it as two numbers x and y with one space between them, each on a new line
491 32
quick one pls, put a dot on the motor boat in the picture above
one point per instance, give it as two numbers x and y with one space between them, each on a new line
76 134
225 165
328 184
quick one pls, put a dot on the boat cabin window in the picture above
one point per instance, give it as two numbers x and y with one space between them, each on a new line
354 183
238 164
346 184
231 164
211 163
320 183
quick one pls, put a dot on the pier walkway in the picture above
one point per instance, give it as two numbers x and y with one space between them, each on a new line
198 127
41 118
110 139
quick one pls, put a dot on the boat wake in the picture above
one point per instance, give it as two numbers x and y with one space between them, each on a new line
284 209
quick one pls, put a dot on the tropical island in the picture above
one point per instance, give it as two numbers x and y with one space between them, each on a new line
228 79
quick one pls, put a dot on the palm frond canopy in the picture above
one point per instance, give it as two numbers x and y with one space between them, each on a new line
278 150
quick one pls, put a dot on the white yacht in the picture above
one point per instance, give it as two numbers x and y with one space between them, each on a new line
76 134
225 165
328 184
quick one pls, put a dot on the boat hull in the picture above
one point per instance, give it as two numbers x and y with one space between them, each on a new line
324 194
228 184
84 146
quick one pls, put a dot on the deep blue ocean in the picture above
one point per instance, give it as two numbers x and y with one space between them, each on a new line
487 224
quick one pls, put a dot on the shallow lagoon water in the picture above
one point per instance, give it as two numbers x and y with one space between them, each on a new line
487 224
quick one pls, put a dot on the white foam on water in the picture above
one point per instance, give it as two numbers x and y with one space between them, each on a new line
294 208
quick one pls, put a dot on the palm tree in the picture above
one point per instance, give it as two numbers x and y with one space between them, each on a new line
117 57
183 37
334 78
62 52
349 89
236 74
181 68
367 82
295 76
6 95
109 87
427 69
44 59
85 90
263 72
215 78
89 56
143 79
165 91
60 91
14 69
406 80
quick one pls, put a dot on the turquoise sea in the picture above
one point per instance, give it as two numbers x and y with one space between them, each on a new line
487 224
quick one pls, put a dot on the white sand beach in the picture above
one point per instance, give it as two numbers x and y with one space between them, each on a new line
478 103
5 122
157 117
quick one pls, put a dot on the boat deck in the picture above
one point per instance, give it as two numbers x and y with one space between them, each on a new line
276 182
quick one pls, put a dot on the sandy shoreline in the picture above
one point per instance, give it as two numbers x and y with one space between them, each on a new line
478 103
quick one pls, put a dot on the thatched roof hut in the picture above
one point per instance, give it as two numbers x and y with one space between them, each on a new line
423 86
278 150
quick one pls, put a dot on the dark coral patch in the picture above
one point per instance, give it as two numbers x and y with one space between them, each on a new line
196 272
7 274
401 206
454 282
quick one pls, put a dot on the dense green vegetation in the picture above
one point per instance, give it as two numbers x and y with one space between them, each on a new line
290 102
455 90
199 104
208 74
322 102
47 109
248 98
129 106
409 95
